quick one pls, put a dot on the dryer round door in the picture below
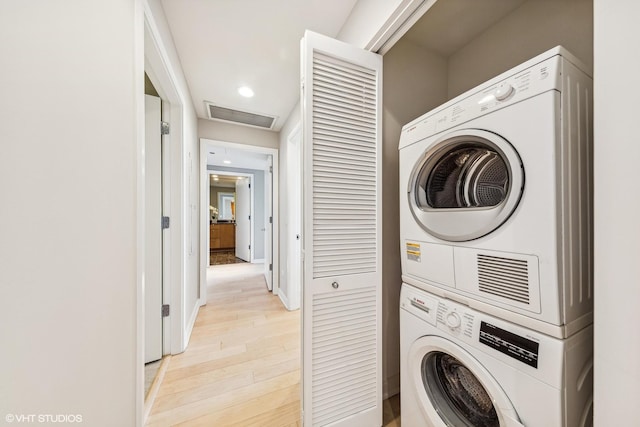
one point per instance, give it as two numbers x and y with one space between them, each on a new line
465 185
454 389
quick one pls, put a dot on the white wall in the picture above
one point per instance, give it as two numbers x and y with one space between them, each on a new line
220 131
617 246
68 274
71 117
533 28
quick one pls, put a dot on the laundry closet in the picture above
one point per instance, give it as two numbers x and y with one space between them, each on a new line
454 46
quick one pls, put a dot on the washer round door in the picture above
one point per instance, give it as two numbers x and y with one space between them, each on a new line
465 185
454 389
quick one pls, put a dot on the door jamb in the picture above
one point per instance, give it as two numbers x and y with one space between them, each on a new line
153 58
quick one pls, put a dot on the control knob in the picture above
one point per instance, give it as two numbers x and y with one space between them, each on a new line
453 320
503 91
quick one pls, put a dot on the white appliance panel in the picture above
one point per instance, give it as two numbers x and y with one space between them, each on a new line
540 380
545 117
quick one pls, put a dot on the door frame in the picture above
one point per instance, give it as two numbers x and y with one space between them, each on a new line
205 146
153 59
294 210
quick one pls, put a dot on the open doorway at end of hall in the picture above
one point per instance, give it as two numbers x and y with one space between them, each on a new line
238 222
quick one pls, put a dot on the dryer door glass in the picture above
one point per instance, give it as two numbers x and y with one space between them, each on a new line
467 176
465 185
456 393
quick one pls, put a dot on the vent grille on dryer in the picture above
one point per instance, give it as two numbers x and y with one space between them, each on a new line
504 277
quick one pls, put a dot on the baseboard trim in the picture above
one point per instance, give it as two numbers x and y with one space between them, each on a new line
150 398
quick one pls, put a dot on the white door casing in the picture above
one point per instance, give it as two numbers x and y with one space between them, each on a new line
243 219
268 225
294 232
153 230
341 303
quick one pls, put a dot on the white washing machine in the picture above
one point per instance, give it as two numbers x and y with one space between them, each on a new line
464 368
495 206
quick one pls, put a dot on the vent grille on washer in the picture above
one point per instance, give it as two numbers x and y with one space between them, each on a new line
504 277
217 112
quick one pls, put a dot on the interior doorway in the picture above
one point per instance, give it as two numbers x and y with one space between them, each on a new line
260 164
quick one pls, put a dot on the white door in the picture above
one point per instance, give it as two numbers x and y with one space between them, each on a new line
341 306
243 219
294 212
268 244
153 230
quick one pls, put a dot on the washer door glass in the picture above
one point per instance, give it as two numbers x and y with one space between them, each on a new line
466 185
456 393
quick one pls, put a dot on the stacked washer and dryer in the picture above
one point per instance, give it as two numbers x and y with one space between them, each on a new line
496 242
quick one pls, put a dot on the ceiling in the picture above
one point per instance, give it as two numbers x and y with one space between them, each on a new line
225 181
225 44
434 30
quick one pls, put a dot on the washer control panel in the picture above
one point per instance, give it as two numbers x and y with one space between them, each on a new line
454 319
513 345
472 327
420 305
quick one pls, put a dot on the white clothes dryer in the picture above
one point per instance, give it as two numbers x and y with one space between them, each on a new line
496 196
463 368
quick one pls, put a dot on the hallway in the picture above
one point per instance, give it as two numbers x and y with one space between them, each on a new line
243 360
242 365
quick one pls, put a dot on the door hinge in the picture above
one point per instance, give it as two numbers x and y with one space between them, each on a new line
165 310
164 128
270 169
270 267
249 247
249 217
165 222
270 220
249 185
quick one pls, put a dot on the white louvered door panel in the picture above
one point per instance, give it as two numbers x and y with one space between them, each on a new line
341 315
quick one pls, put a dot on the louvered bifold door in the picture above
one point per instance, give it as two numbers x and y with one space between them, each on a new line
341 104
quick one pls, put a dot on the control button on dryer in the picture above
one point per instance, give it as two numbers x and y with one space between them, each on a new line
503 91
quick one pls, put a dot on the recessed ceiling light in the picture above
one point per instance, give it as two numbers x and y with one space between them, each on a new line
226 162
216 179
245 91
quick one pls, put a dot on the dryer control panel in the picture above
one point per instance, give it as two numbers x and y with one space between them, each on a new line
508 88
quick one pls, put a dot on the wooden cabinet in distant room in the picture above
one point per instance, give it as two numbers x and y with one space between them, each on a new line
222 236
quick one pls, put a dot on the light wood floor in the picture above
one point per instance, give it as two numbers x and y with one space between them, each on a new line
242 365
